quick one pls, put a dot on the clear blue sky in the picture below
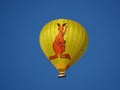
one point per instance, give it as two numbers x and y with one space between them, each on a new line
23 65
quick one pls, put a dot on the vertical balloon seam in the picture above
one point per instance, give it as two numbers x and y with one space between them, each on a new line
71 38
86 43
81 49
82 40
68 37
74 38
48 39
45 40
78 56
48 35
42 40
83 46
77 47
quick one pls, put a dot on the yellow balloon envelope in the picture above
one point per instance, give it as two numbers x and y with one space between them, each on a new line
63 41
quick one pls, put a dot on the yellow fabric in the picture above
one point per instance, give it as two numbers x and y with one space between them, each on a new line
76 42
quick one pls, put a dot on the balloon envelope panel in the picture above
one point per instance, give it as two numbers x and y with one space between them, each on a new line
63 41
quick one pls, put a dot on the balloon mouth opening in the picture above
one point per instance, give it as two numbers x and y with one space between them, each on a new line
61 75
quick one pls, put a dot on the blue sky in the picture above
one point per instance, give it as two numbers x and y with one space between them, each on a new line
23 66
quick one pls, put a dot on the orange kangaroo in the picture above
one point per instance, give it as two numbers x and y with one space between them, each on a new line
59 43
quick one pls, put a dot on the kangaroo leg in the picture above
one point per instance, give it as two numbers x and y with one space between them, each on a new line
53 57
65 56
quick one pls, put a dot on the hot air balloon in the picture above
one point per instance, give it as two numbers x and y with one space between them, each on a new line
63 42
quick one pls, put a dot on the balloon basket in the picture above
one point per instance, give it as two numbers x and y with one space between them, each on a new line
61 75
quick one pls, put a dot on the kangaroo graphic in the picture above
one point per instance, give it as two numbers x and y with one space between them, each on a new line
59 43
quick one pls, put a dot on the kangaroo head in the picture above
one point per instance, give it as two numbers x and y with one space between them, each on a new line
61 27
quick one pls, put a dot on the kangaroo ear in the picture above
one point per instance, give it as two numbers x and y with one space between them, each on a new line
64 24
58 24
